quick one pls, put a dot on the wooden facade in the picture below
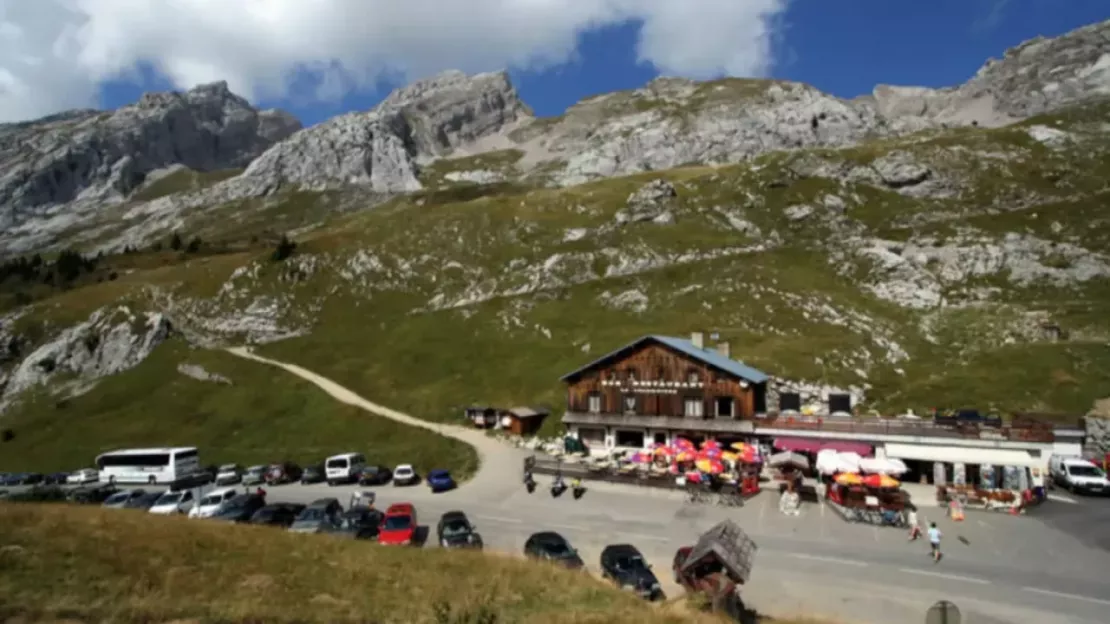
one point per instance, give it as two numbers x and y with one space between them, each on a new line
651 379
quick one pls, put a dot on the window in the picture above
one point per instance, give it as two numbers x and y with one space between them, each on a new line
594 403
631 439
660 438
629 404
185 455
692 376
592 436
630 374
693 407
661 374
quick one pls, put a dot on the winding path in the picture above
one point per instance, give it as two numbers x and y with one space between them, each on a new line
499 466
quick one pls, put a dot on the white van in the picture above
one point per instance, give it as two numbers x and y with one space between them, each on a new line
1078 475
343 468
211 503
177 501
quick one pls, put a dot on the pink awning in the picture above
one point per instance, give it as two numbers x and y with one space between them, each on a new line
798 445
812 445
863 449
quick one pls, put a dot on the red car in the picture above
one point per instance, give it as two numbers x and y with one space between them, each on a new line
399 525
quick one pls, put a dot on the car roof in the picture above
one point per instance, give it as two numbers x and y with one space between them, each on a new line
549 537
221 491
1077 461
323 502
400 508
617 550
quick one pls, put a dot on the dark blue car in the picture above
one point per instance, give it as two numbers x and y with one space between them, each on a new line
440 481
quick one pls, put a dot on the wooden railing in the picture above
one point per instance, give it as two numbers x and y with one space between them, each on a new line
923 428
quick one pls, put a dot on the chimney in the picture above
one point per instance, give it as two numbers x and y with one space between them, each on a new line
724 350
698 339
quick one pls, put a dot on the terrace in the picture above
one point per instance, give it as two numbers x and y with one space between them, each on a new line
1016 431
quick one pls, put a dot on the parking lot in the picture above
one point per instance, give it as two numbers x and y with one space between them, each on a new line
1000 568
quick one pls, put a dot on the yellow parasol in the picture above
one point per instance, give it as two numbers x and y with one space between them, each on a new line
739 446
881 481
848 478
685 456
730 456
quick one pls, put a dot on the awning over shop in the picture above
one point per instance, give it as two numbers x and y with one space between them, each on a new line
812 445
964 455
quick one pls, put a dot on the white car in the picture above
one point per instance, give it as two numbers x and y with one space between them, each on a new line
174 502
405 474
211 503
83 476
228 474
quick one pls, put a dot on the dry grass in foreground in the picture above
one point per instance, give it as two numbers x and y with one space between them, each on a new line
96 565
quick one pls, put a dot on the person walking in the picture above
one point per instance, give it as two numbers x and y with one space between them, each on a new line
915 528
934 541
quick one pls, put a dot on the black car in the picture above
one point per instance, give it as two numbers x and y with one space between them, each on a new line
313 474
142 501
455 531
23 478
358 523
625 566
241 508
277 514
57 478
192 480
374 475
92 495
120 499
550 546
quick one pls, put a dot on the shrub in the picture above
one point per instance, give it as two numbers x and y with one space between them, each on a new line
284 249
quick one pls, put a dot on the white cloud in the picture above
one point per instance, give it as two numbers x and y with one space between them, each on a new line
54 54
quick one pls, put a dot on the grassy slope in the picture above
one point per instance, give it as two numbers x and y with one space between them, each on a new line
183 180
264 415
104 565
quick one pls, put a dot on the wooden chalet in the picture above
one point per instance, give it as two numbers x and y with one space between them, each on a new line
660 387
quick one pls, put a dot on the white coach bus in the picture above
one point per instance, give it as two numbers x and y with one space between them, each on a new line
152 465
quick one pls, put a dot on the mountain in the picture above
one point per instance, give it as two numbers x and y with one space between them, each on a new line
915 248
59 168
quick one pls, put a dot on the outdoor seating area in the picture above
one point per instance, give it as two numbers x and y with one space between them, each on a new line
989 488
706 470
864 490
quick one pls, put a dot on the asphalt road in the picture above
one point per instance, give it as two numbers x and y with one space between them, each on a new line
997 568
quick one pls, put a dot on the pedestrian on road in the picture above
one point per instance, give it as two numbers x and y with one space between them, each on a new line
915 528
934 541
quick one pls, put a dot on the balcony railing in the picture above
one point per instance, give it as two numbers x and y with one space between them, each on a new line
673 423
922 428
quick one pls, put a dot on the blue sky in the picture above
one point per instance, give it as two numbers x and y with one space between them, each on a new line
843 47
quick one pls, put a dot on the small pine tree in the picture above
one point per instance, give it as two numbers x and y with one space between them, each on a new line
175 242
285 248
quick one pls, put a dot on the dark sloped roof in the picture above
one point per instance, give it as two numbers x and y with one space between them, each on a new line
707 356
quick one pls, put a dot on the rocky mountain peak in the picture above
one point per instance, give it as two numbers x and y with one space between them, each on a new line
383 147
100 157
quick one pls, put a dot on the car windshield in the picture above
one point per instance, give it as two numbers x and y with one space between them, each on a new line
398 523
559 550
439 474
311 514
337 463
118 497
630 562
456 528
211 499
404 470
1085 471
228 468
169 498
256 469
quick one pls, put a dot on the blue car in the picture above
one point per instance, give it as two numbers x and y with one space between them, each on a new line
440 481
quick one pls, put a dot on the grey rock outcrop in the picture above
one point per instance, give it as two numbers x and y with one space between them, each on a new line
105 155
57 174
199 373
651 202
381 149
111 340
1038 76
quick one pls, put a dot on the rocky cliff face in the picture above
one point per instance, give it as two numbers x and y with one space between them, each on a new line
91 158
1038 76
381 148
